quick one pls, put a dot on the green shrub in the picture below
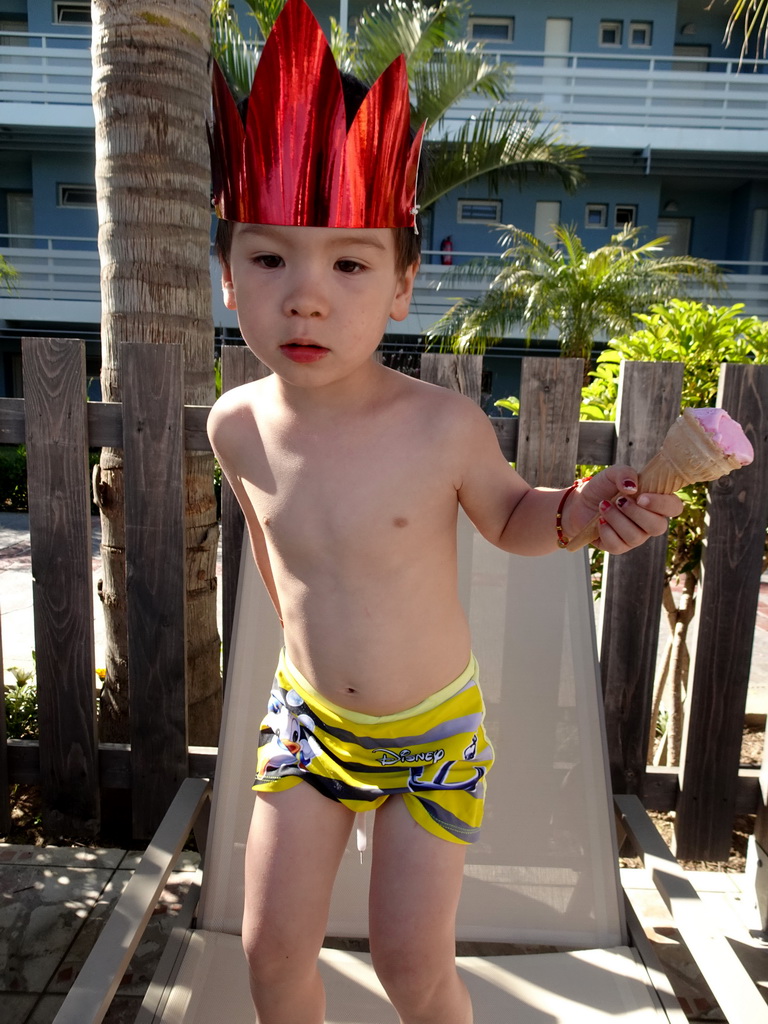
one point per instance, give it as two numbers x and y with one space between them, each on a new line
21 706
13 479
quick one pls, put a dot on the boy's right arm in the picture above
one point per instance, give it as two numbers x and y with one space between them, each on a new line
229 424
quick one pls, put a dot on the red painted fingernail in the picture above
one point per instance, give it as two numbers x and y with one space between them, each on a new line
604 506
602 521
621 502
629 485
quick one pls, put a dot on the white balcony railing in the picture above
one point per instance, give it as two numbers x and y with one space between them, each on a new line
62 284
631 90
57 280
45 69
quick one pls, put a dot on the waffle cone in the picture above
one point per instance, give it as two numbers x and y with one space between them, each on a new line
688 455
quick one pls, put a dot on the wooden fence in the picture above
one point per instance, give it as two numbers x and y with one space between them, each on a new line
547 442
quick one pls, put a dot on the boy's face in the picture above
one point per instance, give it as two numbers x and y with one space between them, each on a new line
313 303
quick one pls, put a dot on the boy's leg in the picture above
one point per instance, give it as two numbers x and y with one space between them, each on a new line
295 844
415 887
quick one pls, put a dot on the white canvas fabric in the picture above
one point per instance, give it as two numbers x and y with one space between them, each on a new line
585 987
545 870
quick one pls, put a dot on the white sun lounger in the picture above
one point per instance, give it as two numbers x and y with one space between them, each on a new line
544 873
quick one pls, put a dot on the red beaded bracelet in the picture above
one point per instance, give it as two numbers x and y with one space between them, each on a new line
562 540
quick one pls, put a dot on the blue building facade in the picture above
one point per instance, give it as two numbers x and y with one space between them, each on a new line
675 133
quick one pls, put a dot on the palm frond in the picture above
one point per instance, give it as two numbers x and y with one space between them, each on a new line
481 269
265 13
506 145
343 47
690 266
7 273
450 76
472 324
413 29
234 54
754 16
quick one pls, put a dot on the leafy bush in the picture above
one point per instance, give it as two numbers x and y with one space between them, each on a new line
21 706
13 479
702 337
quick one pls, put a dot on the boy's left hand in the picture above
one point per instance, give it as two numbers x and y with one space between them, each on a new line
627 519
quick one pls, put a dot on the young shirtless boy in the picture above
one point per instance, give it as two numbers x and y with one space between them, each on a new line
350 476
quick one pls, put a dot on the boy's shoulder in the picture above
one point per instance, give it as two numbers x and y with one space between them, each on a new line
241 397
450 408
234 410
435 395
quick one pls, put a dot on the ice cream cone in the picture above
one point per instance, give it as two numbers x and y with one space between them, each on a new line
689 454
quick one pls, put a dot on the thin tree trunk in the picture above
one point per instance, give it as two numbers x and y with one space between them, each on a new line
151 92
673 677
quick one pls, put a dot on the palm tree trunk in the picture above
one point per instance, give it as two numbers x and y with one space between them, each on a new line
151 92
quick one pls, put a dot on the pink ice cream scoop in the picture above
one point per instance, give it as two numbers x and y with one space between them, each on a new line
726 433
702 444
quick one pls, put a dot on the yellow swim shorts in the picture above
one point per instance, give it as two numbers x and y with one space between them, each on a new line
436 755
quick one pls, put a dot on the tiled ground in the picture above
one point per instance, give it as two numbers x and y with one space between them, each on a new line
731 901
53 902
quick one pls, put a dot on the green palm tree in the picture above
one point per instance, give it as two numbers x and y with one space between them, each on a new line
504 144
564 285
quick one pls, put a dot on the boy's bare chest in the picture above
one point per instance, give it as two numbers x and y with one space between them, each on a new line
347 492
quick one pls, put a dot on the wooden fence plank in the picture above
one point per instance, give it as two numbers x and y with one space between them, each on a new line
60 536
506 428
731 566
457 373
649 402
238 366
661 788
12 429
596 444
152 383
550 395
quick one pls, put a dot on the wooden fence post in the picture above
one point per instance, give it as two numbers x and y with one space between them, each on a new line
731 567
153 441
455 372
548 436
238 366
649 402
60 536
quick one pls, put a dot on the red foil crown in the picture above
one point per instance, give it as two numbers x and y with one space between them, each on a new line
294 162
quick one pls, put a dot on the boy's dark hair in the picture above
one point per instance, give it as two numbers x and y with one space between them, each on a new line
407 240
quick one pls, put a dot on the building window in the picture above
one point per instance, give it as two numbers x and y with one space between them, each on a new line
492 30
626 216
76 195
596 215
640 33
71 12
610 33
479 211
